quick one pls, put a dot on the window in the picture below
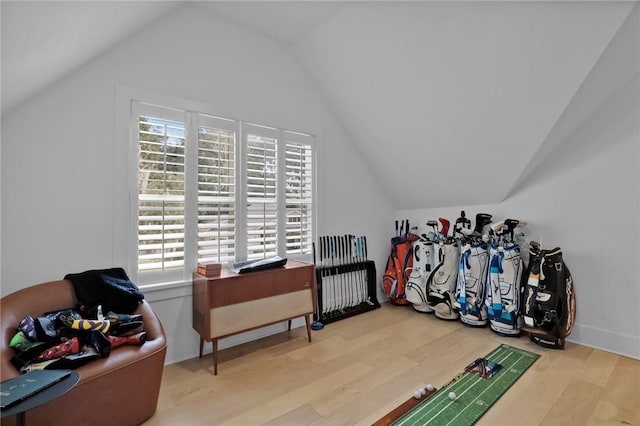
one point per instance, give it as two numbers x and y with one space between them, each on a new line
215 189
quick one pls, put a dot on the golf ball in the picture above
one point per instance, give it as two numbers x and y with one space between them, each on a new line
423 392
417 394
429 387
452 396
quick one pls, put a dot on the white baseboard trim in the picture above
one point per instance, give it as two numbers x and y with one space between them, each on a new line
618 343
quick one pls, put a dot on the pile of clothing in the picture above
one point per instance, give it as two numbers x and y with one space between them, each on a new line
72 337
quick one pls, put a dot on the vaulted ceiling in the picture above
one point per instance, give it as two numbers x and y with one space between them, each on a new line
447 102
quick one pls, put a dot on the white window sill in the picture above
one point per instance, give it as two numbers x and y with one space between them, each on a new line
166 291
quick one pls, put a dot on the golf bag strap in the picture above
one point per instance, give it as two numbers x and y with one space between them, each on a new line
464 265
532 293
495 269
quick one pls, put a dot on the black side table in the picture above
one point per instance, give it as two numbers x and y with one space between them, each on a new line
46 395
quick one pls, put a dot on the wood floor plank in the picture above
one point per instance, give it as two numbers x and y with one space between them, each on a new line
624 384
281 404
298 416
342 398
599 367
609 413
575 405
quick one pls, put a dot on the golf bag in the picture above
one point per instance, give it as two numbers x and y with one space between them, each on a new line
425 257
504 289
471 284
441 283
398 267
550 301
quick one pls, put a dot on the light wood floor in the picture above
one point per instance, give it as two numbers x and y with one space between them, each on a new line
358 369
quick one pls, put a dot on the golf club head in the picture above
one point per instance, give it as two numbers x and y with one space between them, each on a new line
482 219
445 226
511 224
461 223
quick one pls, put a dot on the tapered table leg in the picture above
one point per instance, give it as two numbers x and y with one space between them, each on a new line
214 344
308 322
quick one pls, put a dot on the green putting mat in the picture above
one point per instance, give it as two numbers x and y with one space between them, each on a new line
474 394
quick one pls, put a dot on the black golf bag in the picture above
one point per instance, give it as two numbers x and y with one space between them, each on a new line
550 301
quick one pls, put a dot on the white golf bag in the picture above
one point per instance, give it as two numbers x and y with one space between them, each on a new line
471 283
441 283
424 259
505 290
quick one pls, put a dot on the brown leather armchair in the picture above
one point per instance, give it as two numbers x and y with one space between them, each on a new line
121 389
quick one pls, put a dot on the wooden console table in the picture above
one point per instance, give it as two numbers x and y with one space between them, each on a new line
235 303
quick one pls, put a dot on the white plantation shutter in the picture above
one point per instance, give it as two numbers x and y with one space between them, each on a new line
299 193
216 189
161 190
213 189
261 172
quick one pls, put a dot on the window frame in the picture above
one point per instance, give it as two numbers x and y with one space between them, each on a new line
193 120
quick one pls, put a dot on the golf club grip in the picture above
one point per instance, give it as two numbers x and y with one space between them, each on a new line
313 252
364 239
332 242
345 248
326 248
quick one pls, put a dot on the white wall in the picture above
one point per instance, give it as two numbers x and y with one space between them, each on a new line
64 155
